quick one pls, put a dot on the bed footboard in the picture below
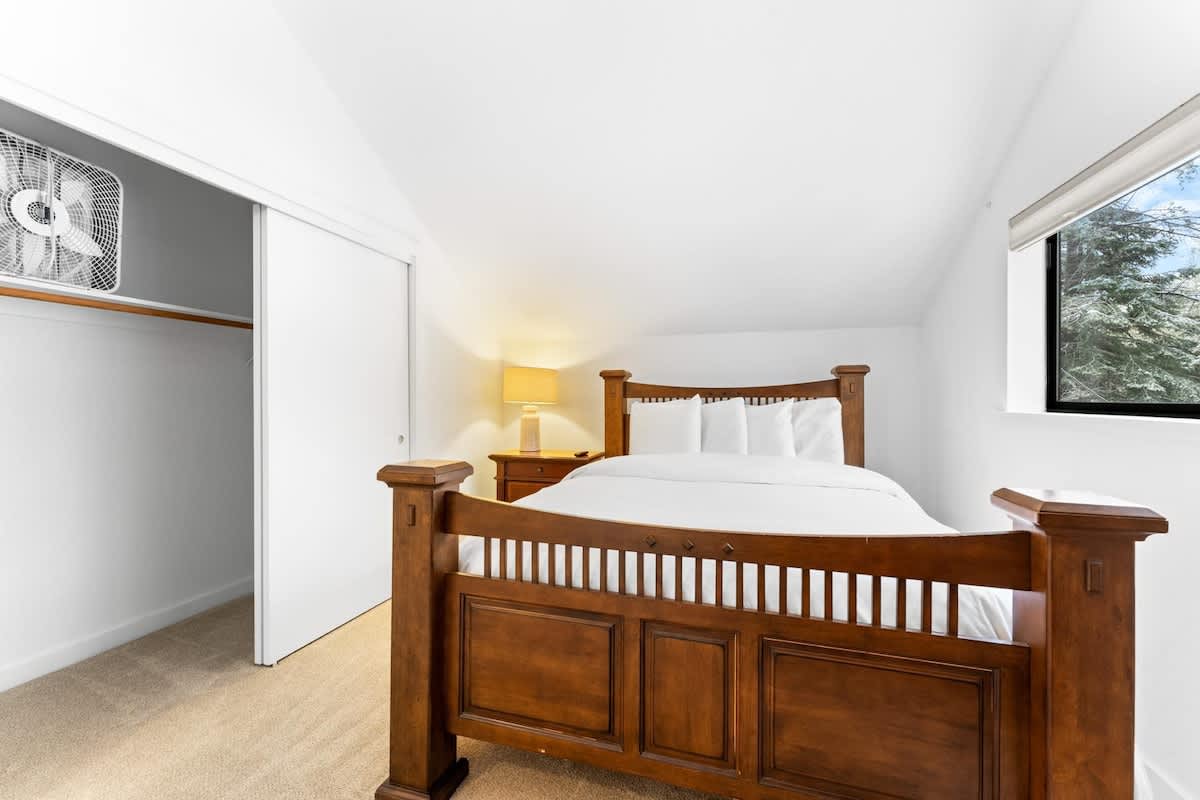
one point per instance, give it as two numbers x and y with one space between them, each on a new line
581 640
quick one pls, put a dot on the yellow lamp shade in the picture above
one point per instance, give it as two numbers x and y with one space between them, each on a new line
530 385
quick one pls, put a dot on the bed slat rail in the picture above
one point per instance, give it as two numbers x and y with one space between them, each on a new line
798 391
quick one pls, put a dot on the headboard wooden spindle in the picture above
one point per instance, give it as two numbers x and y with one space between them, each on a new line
846 386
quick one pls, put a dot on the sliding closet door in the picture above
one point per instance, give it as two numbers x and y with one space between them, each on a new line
331 355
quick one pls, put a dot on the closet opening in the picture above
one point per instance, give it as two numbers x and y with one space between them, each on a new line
126 417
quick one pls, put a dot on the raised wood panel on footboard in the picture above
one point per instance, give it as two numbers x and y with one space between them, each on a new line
689 695
865 725
515 670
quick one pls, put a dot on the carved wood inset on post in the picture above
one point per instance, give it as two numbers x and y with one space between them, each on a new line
423 759
1078 620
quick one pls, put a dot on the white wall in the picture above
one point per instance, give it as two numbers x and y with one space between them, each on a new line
126 482
456 368
223 82
1123 67
893 404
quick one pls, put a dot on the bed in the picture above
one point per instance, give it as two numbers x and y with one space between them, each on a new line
763 627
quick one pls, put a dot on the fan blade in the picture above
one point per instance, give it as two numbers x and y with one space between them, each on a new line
8 247
77 269
6 174
72 191
80 242
33 253
32 171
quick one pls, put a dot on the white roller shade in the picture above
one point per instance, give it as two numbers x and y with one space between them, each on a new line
1160 148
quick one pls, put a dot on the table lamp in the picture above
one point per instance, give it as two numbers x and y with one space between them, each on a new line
531 387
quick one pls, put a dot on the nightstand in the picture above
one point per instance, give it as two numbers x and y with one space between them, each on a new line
521 474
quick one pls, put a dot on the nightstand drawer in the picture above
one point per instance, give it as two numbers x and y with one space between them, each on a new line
521 474
515 490
537 471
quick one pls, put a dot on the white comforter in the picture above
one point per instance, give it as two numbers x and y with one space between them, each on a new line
756 494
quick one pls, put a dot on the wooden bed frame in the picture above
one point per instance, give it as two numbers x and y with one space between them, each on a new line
752 703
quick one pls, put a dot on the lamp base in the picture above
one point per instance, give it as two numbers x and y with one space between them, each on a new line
531 435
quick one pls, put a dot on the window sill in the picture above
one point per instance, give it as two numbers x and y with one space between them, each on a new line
1123 419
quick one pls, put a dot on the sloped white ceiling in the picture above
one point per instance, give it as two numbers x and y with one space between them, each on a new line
680 166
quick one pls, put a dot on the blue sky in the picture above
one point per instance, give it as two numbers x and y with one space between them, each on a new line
1161 192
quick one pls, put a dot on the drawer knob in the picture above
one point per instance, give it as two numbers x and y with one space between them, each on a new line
541 469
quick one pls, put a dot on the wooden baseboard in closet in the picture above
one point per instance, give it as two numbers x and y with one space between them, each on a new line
124 306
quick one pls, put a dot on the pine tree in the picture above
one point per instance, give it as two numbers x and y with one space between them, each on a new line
1130 331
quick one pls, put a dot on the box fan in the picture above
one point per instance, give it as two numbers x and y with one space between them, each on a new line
60 218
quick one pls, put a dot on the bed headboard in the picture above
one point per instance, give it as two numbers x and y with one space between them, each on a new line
846 385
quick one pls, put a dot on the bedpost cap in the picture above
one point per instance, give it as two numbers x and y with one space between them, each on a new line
850 369
429 472
615 373
1058 509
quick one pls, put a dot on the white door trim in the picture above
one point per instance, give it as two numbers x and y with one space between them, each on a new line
260 426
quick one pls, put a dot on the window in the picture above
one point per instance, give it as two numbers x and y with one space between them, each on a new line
1123 301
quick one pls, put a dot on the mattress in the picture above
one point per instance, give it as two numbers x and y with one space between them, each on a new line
756 494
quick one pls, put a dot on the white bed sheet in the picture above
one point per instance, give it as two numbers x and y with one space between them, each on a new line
756 494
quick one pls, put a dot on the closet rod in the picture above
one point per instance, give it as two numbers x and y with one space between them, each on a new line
166 312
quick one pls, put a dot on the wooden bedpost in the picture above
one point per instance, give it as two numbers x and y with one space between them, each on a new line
423 759
614 411
850 379
1079 622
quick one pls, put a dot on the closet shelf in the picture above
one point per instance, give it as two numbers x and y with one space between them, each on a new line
125 305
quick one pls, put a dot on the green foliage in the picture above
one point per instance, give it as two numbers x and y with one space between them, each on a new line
1130 330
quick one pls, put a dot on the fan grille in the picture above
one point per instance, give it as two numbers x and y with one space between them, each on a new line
81 247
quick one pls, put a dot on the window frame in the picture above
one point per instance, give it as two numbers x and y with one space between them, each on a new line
1053 404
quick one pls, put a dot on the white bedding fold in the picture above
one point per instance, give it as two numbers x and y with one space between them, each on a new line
754 494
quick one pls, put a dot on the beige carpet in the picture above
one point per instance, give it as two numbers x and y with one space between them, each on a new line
183 713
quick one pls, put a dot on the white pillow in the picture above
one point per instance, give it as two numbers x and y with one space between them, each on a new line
817 429
769 429
723 427
672 427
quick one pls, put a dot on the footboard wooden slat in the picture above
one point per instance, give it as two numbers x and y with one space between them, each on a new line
877 601
852 598
926 606
952 610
